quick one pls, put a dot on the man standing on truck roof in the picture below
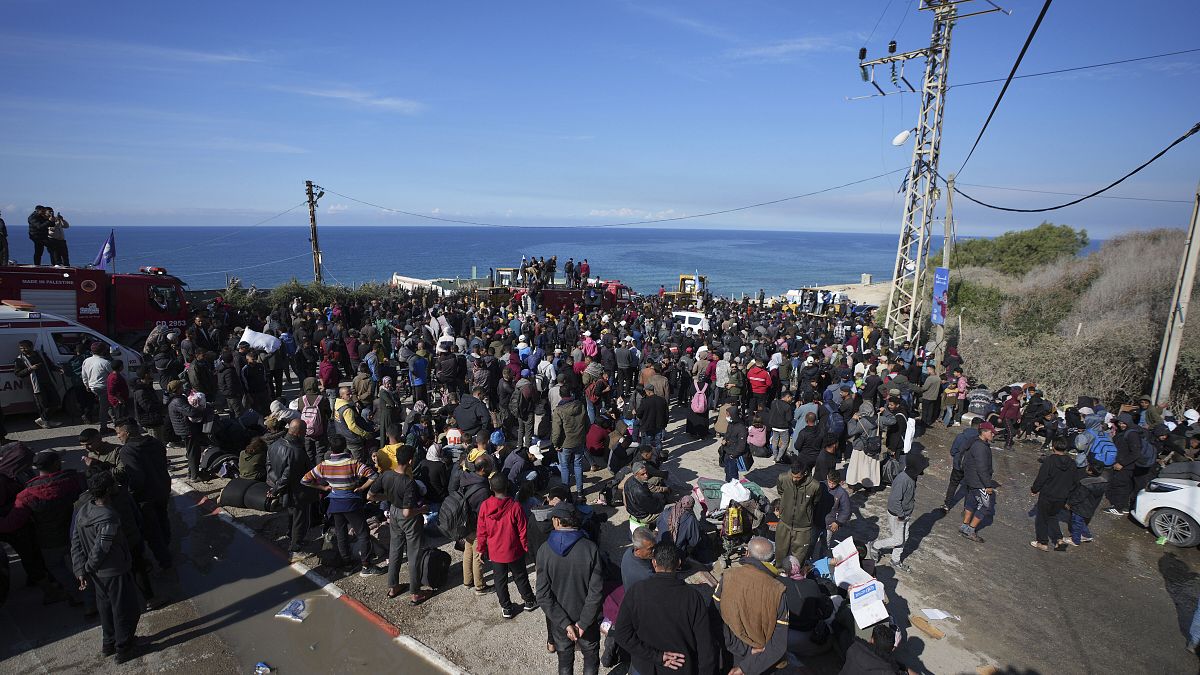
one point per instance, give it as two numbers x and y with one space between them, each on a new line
39 230
3 243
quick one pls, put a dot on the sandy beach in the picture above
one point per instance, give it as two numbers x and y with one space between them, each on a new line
870 294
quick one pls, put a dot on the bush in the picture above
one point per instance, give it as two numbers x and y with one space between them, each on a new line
1020 251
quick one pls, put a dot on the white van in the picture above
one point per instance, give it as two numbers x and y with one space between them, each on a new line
56 337
695 321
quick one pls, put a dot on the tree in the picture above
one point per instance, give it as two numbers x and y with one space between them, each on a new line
1019 251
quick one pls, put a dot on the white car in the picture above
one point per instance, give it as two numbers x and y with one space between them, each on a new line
1170 507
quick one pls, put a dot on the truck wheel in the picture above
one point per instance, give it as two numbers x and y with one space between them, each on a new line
1179 528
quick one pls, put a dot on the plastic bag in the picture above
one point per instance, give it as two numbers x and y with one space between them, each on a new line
296 610
733 491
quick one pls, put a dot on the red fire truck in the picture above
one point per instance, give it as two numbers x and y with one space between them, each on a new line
125 307
597 294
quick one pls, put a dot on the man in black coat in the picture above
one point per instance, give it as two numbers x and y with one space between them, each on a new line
663 622
808 441
472 415
287 462
147 475
652 418
1129 449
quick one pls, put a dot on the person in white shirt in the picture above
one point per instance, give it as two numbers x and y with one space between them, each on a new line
95 375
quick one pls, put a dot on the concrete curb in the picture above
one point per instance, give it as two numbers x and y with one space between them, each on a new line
184 489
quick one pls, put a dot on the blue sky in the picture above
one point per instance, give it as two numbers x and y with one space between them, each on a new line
530 113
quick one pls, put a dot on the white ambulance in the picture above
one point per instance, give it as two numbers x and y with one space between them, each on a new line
56 338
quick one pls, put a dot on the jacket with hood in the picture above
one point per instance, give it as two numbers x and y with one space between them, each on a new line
977 465
178 411
1056 478
735 439
98 545
472 415
148 409
500 530
229 381
147 472
859 430
903 497
570 580
1128 442
569 424
1086 496
961 442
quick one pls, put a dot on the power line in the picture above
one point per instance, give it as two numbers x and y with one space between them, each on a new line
879 20
1007 81
1190 132
903 17
210 242
247 267
1075 194
1077 68
632 222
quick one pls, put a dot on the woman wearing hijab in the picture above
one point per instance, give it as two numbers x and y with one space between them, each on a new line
863 469
697 422
16 462
678 525
388 409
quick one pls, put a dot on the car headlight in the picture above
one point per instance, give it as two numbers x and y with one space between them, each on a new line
1156 486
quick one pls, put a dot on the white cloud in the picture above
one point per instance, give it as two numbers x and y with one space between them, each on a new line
104 49
359 97
686 22
626 212
336 208
783 51
436 210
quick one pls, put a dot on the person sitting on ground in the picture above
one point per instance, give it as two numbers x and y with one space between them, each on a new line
678 525
643 504
875 656
252 463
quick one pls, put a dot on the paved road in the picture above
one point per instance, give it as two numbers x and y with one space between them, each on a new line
1121 604
226 590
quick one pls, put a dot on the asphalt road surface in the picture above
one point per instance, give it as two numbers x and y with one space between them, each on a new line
224 592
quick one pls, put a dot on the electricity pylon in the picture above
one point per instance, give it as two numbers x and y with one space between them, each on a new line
905 305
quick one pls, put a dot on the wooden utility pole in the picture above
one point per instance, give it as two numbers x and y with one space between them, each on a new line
1168 356
312 225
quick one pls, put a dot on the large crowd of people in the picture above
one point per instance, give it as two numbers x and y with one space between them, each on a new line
514 432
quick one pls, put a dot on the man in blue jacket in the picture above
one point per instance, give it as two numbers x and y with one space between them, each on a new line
957 449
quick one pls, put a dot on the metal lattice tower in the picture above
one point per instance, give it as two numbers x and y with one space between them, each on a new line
906 303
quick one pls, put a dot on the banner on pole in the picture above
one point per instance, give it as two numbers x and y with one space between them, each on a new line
941 298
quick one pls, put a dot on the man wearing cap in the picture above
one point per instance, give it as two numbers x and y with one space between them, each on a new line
977 477
47 501
570 590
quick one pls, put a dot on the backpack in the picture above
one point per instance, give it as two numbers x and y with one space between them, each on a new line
455 519
700 400
311 415
1149 453
1101 448
834 422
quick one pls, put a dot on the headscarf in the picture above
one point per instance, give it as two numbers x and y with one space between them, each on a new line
684 505
311 386
386 382
434 452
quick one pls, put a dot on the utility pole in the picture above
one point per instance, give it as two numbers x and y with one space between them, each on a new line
905 304
1168 356
312 225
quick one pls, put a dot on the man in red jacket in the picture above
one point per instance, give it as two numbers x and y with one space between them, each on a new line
760 385
501 538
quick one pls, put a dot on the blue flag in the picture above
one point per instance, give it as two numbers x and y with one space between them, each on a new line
108 252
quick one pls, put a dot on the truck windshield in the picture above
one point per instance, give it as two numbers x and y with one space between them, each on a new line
164 298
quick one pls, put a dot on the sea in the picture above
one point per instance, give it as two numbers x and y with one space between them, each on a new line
735 261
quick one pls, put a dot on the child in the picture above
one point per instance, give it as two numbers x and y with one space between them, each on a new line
756 437
1084 501
839 513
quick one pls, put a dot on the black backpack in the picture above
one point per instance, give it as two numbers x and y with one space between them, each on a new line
455 518
434 567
